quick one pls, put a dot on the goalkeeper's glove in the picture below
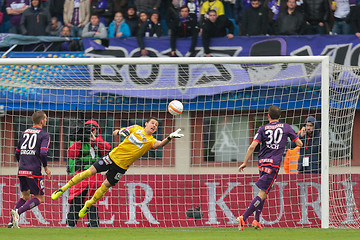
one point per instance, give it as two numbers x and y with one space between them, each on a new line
124 132
175 134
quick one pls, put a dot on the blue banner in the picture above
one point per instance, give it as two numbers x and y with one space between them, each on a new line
343 49
202 86
190 81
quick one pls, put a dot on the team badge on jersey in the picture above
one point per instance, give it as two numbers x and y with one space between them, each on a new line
142 135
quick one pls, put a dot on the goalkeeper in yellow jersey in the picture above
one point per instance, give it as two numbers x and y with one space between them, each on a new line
138 141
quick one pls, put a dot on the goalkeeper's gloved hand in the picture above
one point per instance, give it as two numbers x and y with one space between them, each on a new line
124 132
175 134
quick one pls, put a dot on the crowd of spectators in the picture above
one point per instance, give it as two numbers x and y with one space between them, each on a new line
179 18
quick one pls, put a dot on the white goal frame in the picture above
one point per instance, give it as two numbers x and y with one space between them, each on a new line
323 60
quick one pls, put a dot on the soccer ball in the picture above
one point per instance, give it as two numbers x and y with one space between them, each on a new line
175 107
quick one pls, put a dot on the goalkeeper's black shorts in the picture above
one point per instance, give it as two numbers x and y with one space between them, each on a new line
114 172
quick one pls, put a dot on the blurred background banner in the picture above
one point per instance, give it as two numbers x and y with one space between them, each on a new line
8 39
343 49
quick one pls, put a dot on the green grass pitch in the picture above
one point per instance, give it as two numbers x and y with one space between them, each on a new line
200 233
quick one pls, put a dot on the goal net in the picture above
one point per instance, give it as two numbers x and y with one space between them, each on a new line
193 181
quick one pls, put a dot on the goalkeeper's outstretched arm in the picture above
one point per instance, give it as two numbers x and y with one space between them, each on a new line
176 134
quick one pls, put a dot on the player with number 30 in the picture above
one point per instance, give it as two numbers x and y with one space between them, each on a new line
273 139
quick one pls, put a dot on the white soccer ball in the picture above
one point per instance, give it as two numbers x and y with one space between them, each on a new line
175 107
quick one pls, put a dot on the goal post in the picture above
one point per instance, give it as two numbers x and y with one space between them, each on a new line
325 100
225 101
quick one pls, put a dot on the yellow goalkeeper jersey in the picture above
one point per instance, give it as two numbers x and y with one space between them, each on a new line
133 147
